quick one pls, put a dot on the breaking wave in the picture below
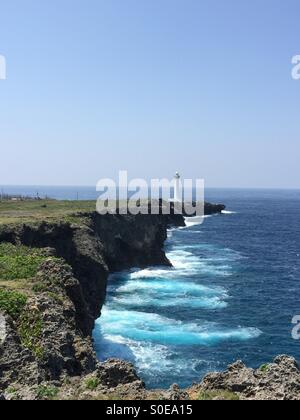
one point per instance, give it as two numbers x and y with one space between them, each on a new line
159 317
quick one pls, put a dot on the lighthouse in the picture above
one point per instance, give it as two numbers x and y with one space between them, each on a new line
177 188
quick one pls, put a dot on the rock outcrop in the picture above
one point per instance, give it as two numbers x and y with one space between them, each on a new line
279 380
54 339
210 208
96 247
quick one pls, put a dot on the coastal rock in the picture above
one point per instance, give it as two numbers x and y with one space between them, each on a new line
53 339
3 332
210 209
279 380
188 209
94 248
70 290
16 362
176 394
117 372
132 241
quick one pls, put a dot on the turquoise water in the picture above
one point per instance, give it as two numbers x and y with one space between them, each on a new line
232 294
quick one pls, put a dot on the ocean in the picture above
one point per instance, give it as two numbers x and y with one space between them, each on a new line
231 294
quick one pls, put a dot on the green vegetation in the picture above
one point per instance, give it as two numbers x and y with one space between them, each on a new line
12 390
7 248
35 210
19 262
56 297
47 392
28 211
30 331
12 302
40 287
218 395
264 368
92 383
21 267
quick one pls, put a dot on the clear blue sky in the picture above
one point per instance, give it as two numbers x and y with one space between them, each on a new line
152 86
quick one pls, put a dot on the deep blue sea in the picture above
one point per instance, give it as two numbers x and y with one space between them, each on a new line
232 293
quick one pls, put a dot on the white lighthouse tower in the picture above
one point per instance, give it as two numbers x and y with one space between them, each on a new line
177 188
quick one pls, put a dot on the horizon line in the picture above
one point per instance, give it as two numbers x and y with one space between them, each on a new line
91 186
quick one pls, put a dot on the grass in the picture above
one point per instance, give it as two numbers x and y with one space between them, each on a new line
35 210
7 248
18 268
30 328
218 395
46 210
21 267
19 262
47 392
12 302
92 383
12 390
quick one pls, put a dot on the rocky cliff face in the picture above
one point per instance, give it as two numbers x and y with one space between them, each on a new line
70 289
96 247
279 380
47 351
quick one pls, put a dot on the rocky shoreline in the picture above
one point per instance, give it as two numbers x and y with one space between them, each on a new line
46 348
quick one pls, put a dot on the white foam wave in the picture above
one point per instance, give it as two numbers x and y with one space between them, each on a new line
173 286
194 221
186 264
165 300
155 360
149 273
149 327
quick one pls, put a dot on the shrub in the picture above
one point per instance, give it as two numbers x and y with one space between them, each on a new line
19 267
12 390
47 392
9 249
12 302
19 261
264 368
92 383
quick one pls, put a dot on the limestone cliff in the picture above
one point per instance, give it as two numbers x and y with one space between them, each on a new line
70 289
46 349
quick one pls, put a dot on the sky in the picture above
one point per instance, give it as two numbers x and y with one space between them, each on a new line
202 87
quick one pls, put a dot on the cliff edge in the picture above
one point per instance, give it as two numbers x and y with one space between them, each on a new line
53 279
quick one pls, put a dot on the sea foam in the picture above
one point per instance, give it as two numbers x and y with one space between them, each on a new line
157 317
154 328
